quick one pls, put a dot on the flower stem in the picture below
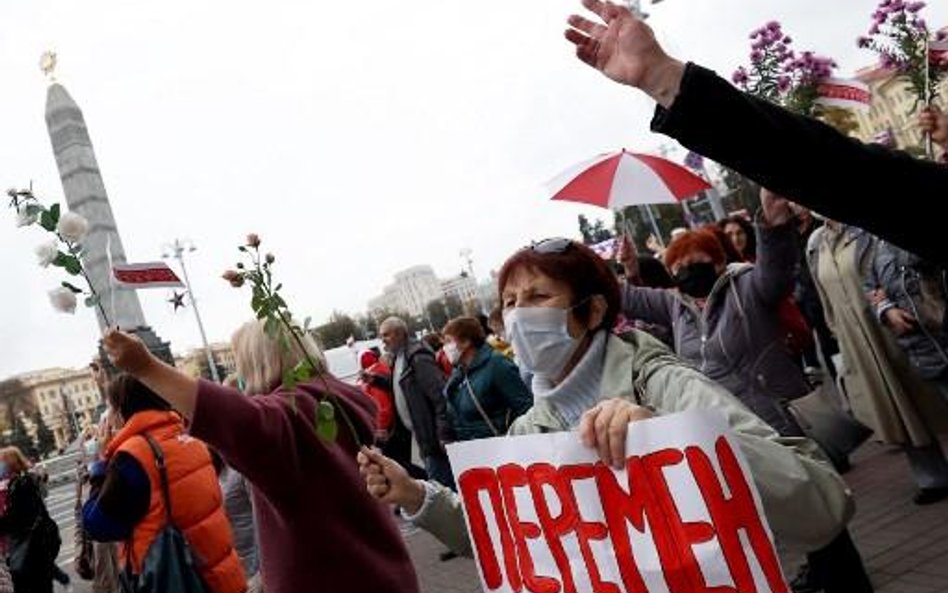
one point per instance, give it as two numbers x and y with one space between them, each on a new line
92 290
266 283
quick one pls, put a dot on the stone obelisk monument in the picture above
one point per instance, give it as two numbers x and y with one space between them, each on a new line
85 195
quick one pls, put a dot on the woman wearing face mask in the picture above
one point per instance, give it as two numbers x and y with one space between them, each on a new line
725 318
560 300
485 392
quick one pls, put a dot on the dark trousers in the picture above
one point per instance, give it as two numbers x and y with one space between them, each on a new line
838 567
439 470
398 448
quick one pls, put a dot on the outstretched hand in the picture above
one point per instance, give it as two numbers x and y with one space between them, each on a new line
624 48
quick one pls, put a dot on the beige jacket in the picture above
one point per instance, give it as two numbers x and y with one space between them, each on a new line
806 502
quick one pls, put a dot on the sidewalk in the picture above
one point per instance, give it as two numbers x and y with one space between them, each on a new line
905 547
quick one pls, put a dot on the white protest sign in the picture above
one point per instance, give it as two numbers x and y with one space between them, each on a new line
683 516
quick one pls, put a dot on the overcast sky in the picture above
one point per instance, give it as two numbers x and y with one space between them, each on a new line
358 139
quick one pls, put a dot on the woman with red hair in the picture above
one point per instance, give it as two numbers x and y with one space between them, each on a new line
725 318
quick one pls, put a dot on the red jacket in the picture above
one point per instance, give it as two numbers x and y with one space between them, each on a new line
376 382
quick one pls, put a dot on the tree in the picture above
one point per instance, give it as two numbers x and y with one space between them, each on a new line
667 217
45 440
20 437
437 312
337 331
595 232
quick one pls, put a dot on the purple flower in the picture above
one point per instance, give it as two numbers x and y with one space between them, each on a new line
740 76
757 56
915 6
773 26
783 84
788 39
874 29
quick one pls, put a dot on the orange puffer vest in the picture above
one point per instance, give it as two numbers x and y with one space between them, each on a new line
196 500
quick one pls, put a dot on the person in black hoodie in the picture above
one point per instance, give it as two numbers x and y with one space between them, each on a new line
34 537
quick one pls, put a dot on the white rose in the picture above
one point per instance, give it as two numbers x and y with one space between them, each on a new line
72 227
63 300
25 218
47 252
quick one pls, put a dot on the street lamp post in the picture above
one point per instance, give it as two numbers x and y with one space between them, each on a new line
177 249
466 255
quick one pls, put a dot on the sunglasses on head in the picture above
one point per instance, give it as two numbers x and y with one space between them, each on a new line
552 245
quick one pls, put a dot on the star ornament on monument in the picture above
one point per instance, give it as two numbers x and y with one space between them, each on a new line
177 300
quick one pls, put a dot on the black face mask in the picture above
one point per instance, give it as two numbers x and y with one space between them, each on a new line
696 280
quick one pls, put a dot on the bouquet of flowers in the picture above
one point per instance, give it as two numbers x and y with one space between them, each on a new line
62 250
270 307
778 74
900 36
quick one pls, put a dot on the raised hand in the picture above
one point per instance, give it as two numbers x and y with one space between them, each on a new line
126 352
775 209
624 49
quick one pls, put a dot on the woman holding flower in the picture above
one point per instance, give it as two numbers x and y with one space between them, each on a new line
317 525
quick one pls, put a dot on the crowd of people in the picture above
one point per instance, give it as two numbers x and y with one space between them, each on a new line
231 487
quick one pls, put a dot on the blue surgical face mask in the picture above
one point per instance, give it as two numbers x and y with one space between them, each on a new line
540 339
4 469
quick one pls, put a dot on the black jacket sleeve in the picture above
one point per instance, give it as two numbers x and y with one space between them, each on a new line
868 186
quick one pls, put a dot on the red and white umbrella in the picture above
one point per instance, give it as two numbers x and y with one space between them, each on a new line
619 179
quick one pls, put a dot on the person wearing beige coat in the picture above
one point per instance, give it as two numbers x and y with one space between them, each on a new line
883 389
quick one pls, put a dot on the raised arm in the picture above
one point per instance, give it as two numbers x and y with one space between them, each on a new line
129 354
777 255
805 159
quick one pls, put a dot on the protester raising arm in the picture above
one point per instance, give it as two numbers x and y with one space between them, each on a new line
805 159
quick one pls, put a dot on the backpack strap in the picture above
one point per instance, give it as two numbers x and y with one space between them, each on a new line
162 475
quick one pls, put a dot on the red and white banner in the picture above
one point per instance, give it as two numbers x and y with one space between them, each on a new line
606 249
844 93
147 275
544 514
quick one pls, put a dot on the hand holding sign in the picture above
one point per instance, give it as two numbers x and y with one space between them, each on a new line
604 428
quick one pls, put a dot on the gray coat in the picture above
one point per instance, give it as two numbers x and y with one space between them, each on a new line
422 382
806 502
737 339
917 287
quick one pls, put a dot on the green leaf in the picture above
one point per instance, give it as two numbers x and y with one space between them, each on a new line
33 209
327 429
240 266
271 326
70 263
75 289
303 371
54 214
289 380
326 410
306 323
92 301
279 286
